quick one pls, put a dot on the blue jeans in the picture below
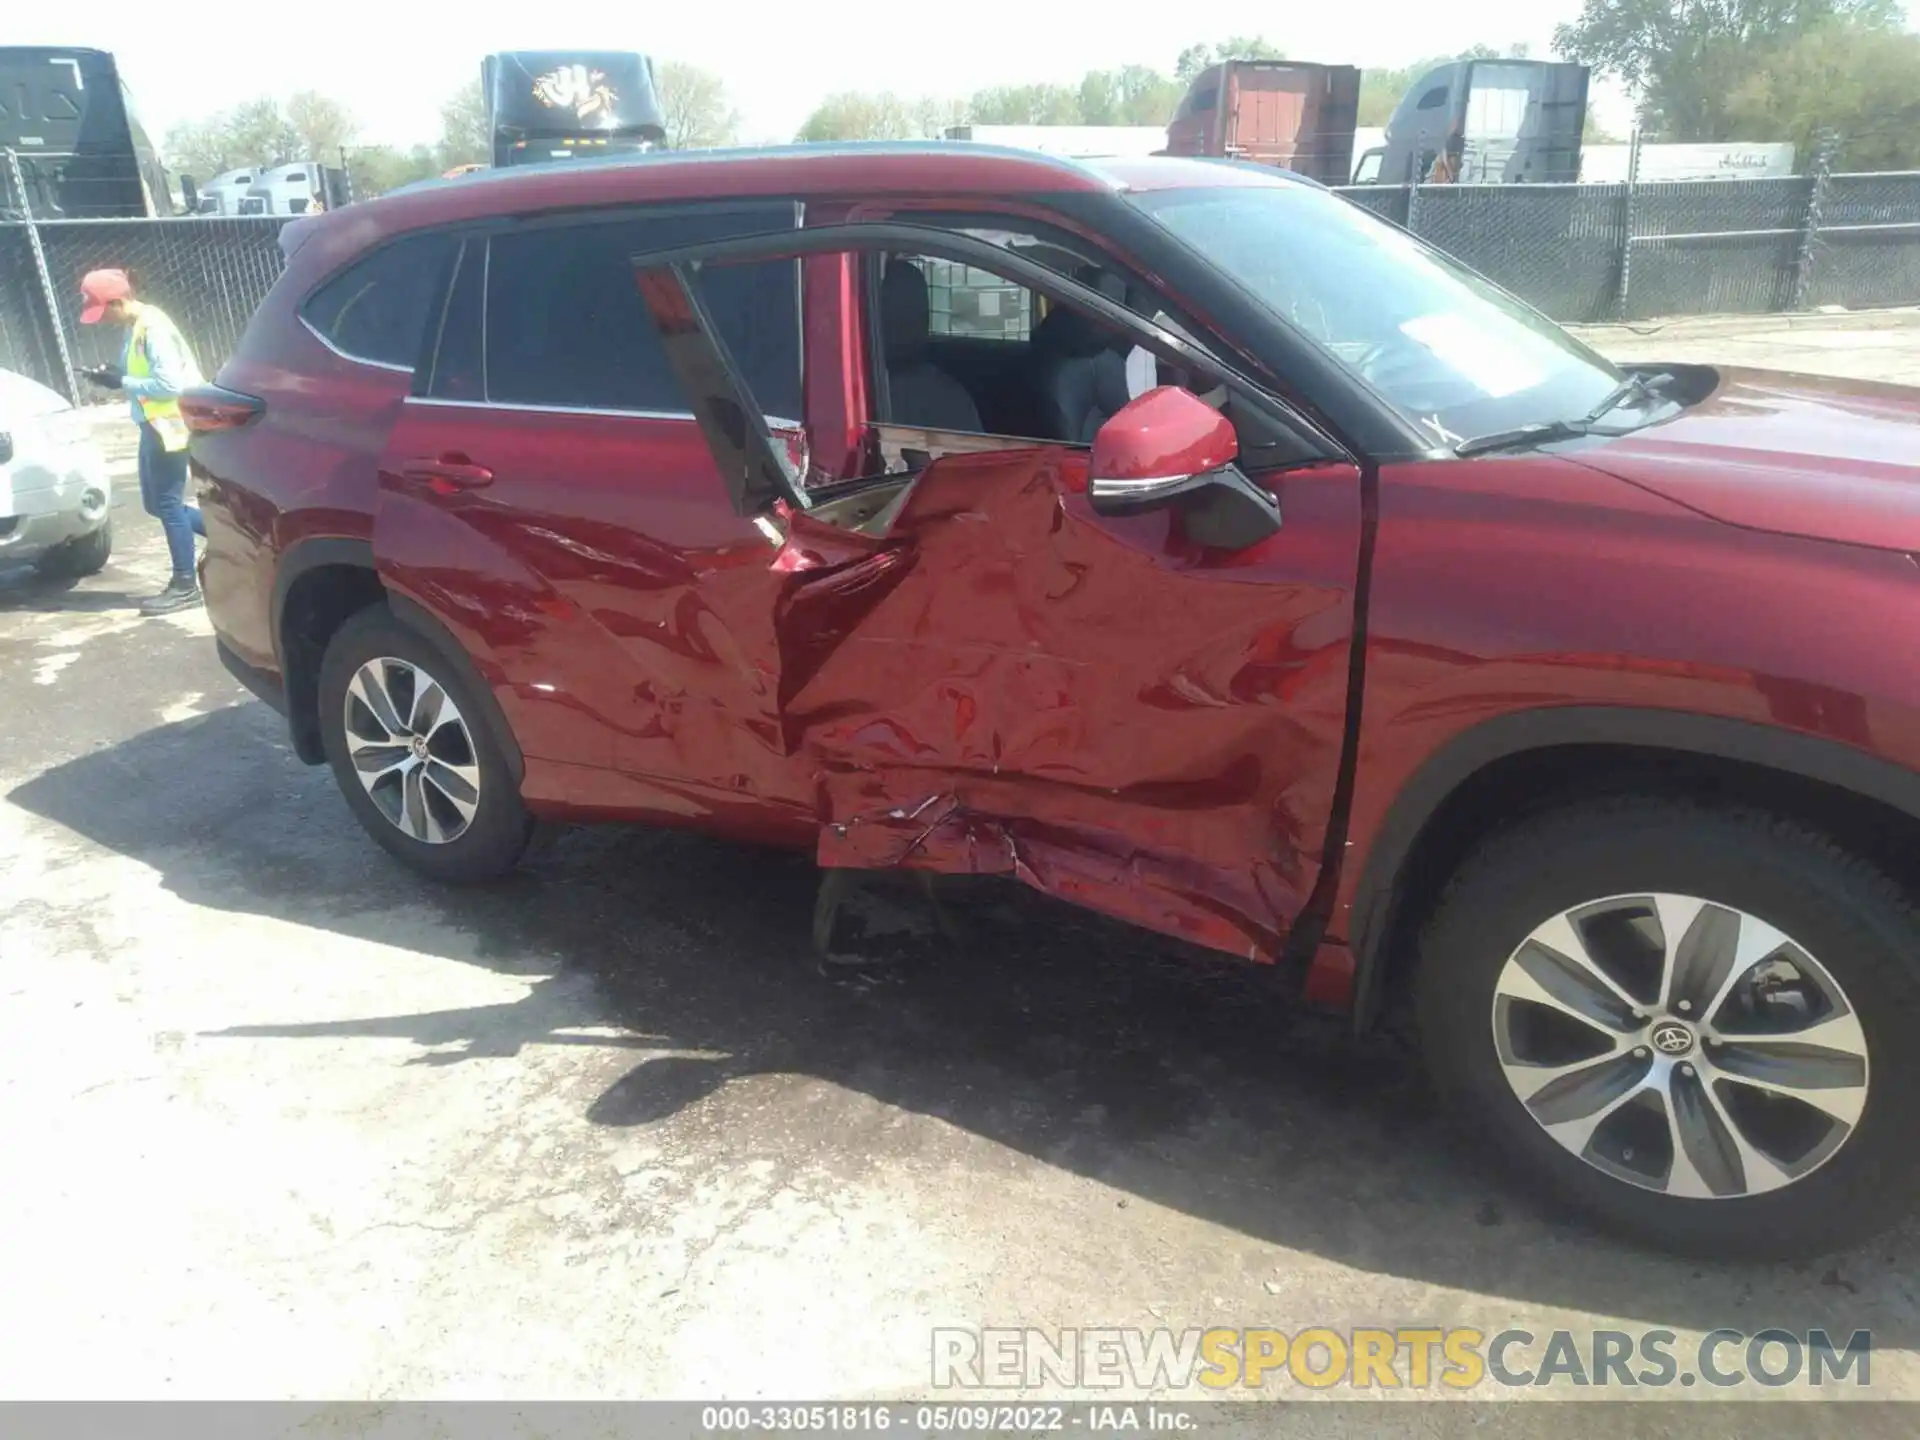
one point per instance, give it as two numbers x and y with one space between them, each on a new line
163 490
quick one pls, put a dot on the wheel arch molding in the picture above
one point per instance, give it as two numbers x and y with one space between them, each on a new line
1378 899
333 551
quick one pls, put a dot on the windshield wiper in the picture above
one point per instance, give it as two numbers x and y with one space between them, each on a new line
1540 434
1635 386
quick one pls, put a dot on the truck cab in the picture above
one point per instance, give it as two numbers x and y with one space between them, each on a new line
548 105
1519 121
299 188
1293 114
225 193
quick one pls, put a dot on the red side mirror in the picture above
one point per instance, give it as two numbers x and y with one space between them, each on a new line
1165 443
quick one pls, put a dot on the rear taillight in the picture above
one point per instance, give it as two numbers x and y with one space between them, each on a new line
211 408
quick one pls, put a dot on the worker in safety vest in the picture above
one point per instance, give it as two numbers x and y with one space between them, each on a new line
155 366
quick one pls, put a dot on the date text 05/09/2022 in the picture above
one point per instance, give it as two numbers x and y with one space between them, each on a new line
946 1418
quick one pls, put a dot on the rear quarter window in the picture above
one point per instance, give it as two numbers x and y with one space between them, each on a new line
376 309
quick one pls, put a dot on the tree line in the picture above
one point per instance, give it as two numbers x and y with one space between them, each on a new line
1131 95
1700 70
1760 70
311 126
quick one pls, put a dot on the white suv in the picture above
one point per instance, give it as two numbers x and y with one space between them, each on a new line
54 491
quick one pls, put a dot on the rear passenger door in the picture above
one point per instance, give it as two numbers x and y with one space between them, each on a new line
548 495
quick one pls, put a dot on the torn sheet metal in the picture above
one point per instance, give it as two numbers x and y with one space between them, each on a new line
1007 684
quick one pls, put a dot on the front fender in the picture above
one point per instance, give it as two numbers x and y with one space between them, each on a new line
1521 605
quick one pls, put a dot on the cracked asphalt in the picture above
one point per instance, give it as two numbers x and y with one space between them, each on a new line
282 1121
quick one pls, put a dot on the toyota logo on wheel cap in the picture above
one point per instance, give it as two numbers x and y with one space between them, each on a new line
1670 1037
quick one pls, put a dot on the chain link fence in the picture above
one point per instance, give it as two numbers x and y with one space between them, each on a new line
1589 253
1868 241
1581 253
208 274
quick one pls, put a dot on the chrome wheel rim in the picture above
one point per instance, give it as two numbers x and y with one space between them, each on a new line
411 750
1680 1045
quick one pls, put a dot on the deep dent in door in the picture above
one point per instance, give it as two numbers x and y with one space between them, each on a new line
1007 684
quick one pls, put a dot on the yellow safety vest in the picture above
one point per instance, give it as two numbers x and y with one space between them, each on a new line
163 413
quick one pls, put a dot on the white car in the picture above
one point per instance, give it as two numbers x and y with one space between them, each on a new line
54 491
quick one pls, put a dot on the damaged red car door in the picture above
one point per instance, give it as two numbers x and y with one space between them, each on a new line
1004 681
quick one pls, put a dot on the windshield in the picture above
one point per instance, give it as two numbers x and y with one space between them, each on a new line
1445 348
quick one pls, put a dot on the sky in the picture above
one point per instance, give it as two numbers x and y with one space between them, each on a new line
393 64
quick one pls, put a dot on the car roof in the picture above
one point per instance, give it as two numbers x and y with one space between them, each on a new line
958 168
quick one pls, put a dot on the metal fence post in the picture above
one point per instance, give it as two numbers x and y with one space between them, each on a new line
1413 193
1626 225
1824 147
47 292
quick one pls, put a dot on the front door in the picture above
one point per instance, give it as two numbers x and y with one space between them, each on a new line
989 677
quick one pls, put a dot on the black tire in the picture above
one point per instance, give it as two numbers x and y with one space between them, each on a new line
1858 924
77 558
496 836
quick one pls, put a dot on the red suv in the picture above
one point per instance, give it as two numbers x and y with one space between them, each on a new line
1172 536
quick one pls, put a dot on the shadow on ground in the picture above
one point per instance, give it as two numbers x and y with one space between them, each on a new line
24 588
1093 1047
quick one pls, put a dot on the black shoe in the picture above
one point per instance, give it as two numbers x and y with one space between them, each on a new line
182 593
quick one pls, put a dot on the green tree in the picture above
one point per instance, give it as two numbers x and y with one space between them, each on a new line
195 147
255 134
1195 58
1857 81
1026 105
1131 95
1682 56
376 169
465 137
324 125
861 115
694 103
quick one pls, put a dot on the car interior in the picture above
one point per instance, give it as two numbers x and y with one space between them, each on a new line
968 362
1057 374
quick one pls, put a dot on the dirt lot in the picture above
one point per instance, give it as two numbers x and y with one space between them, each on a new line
282 1121
1876 345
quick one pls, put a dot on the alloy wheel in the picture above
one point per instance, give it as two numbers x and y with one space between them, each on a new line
1681 1045
412 750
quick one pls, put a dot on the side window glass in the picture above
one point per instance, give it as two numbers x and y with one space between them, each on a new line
567 327
1433 99
756 309
376 309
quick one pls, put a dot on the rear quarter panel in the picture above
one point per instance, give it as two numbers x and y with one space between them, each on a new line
1512 584
307 467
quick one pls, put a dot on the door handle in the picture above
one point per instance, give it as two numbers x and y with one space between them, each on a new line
447 473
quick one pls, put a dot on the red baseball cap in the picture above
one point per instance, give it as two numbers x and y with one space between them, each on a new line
100 288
